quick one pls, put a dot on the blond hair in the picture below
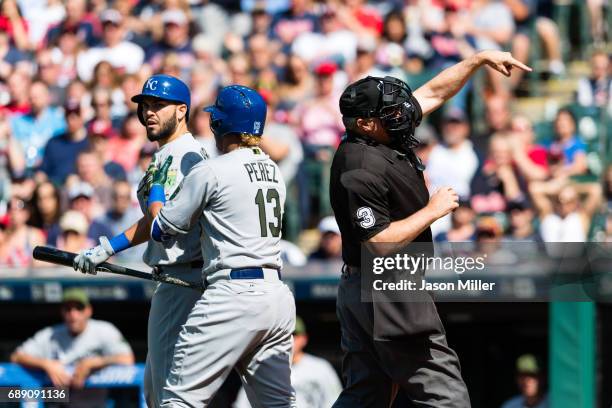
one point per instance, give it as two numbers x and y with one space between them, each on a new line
248 140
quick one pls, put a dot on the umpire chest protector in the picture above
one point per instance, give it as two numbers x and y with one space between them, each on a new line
373 185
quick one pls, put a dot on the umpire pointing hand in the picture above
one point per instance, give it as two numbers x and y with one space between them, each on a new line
379 196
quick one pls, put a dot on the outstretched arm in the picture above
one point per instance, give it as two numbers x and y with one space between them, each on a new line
447 83
179 215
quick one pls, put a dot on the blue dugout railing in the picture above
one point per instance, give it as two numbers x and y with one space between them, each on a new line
14 375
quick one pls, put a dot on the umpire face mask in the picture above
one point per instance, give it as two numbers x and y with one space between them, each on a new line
388 99
400 113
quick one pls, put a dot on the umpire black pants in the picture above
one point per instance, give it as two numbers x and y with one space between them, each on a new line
421 364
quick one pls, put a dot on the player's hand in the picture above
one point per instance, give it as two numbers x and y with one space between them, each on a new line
87 260
501 61
160 175
82 370
147 180
443 202
57 373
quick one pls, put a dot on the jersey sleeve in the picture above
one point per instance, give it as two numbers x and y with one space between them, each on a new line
330 383
367 202
114 343
179 214
187 162
37 345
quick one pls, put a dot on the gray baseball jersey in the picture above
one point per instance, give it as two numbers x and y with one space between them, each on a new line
185 152
170 305
238 198
99 338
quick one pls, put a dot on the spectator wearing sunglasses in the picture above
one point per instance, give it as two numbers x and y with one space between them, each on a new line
80 342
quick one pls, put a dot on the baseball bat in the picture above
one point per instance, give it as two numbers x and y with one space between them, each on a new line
59 257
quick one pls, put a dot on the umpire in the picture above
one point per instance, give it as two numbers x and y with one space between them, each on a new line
379 195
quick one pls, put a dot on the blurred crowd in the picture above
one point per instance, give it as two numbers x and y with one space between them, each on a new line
72 149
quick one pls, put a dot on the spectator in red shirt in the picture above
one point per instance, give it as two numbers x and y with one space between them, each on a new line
529 158
319 120
360 18
20 238
12 22
19 91
125 149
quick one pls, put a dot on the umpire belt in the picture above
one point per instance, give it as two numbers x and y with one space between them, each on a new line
267 274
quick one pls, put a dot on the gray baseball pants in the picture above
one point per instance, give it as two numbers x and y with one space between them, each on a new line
170 306
244 324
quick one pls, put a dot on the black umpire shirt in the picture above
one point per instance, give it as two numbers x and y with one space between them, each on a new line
371 186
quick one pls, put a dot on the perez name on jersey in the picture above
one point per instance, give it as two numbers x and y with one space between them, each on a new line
260 171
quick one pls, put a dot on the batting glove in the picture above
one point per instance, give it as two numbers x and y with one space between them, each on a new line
161 175
156 193
87 260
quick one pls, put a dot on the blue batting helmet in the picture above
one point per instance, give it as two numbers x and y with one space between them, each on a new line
164 87
238 109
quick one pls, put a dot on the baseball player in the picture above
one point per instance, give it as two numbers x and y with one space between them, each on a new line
163 108
246 315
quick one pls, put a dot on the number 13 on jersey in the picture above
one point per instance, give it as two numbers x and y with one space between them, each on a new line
270 196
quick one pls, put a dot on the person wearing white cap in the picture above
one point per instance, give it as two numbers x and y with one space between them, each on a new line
74 226
330 246
125 56
365 63
81 199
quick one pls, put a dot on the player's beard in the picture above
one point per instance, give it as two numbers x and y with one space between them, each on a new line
165 131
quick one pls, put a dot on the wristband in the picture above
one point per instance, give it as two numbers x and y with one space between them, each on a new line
156 195
157 234
119 242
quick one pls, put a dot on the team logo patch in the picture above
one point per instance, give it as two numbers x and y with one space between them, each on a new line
152 84
171 179
366 216
256 127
